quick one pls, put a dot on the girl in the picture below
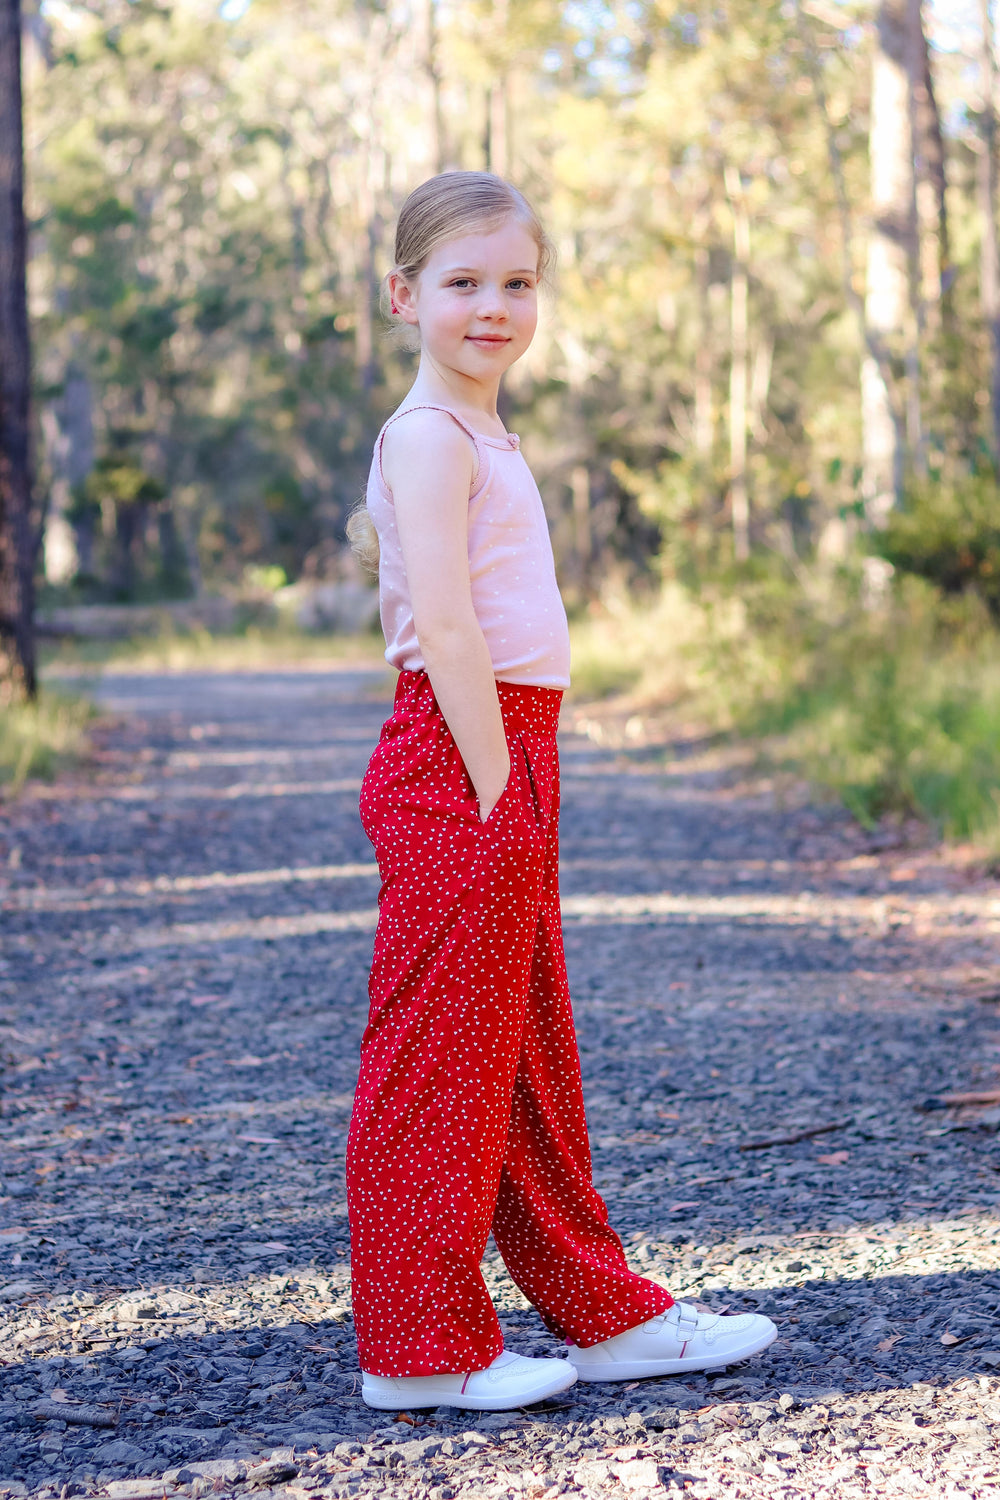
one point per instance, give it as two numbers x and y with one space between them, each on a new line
469 1113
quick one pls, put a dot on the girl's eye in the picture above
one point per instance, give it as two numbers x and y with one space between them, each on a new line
519 284
462 281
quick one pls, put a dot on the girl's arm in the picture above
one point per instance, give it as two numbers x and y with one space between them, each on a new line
429 463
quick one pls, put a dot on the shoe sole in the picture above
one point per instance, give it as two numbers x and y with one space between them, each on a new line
641 1369
388 1402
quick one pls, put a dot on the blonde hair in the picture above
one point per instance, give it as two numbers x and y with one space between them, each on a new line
363 538
457 203
444 208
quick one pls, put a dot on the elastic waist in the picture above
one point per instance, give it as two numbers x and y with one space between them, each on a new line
524 707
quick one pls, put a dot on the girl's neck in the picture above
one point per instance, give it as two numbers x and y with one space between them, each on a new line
467 396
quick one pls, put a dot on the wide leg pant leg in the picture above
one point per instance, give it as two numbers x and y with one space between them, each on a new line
448 989
551 1225
458 969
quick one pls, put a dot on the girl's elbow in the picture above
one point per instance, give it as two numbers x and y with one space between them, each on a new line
441 636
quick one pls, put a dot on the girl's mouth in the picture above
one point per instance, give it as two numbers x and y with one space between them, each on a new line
491 341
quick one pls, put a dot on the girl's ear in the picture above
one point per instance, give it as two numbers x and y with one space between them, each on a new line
402 298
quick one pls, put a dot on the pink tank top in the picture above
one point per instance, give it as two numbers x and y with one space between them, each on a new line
514 590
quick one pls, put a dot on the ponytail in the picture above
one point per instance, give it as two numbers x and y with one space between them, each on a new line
363 538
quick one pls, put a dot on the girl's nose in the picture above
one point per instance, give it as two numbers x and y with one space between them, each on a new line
492 304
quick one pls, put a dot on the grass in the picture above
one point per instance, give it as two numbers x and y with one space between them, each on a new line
254 648
38 739
893 706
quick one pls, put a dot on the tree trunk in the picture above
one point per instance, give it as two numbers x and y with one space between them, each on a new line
17 547
432 65
497 141
989 259
739 374
703 418
579 483
68 431
932 205
366 288
496 128
891 253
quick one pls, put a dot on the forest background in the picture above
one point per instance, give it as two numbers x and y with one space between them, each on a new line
764 402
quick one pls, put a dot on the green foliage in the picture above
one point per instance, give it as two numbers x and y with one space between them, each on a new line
266 578
249 646
645 650
214 211
949 533
895 709
37 739
117 479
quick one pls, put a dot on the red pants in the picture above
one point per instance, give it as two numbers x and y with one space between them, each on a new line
469 1110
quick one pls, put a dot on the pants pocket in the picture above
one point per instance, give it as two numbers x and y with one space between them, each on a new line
518 802
499 807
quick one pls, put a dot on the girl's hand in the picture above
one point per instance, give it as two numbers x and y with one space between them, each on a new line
489 801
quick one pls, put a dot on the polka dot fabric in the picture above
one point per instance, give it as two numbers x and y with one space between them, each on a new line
469 1110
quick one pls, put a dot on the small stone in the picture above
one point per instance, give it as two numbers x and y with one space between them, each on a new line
641 1474
319 1418
418 1450
228 1469
137 1489
804 1349
118 1452
328 1442
274 1471
787 1401
13 1291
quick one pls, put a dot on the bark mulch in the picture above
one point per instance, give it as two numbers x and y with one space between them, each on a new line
790 1032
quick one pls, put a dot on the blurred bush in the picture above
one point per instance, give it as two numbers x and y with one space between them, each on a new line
894 707
949 533
37 738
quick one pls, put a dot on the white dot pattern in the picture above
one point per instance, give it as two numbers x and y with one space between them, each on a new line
469 1109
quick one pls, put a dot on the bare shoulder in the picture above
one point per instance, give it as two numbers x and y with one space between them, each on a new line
422 439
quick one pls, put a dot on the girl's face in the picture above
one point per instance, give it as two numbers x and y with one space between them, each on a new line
475 302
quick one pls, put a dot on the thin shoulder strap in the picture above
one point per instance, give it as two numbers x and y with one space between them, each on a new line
431 406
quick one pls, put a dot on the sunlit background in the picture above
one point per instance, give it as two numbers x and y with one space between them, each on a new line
763 405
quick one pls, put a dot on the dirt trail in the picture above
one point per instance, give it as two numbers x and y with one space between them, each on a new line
185 934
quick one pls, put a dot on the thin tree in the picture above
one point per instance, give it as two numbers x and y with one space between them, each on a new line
892 250
17 544
929 151
989 256
432 65
739 497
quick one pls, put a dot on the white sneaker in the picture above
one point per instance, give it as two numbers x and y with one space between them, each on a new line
510 1381
681 1339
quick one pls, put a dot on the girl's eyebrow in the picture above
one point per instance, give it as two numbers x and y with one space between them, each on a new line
478 271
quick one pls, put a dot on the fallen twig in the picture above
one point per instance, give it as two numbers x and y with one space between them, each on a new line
956 1101
799 1135
80 1416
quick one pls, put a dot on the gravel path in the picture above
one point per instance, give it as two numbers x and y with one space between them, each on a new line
771 1006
